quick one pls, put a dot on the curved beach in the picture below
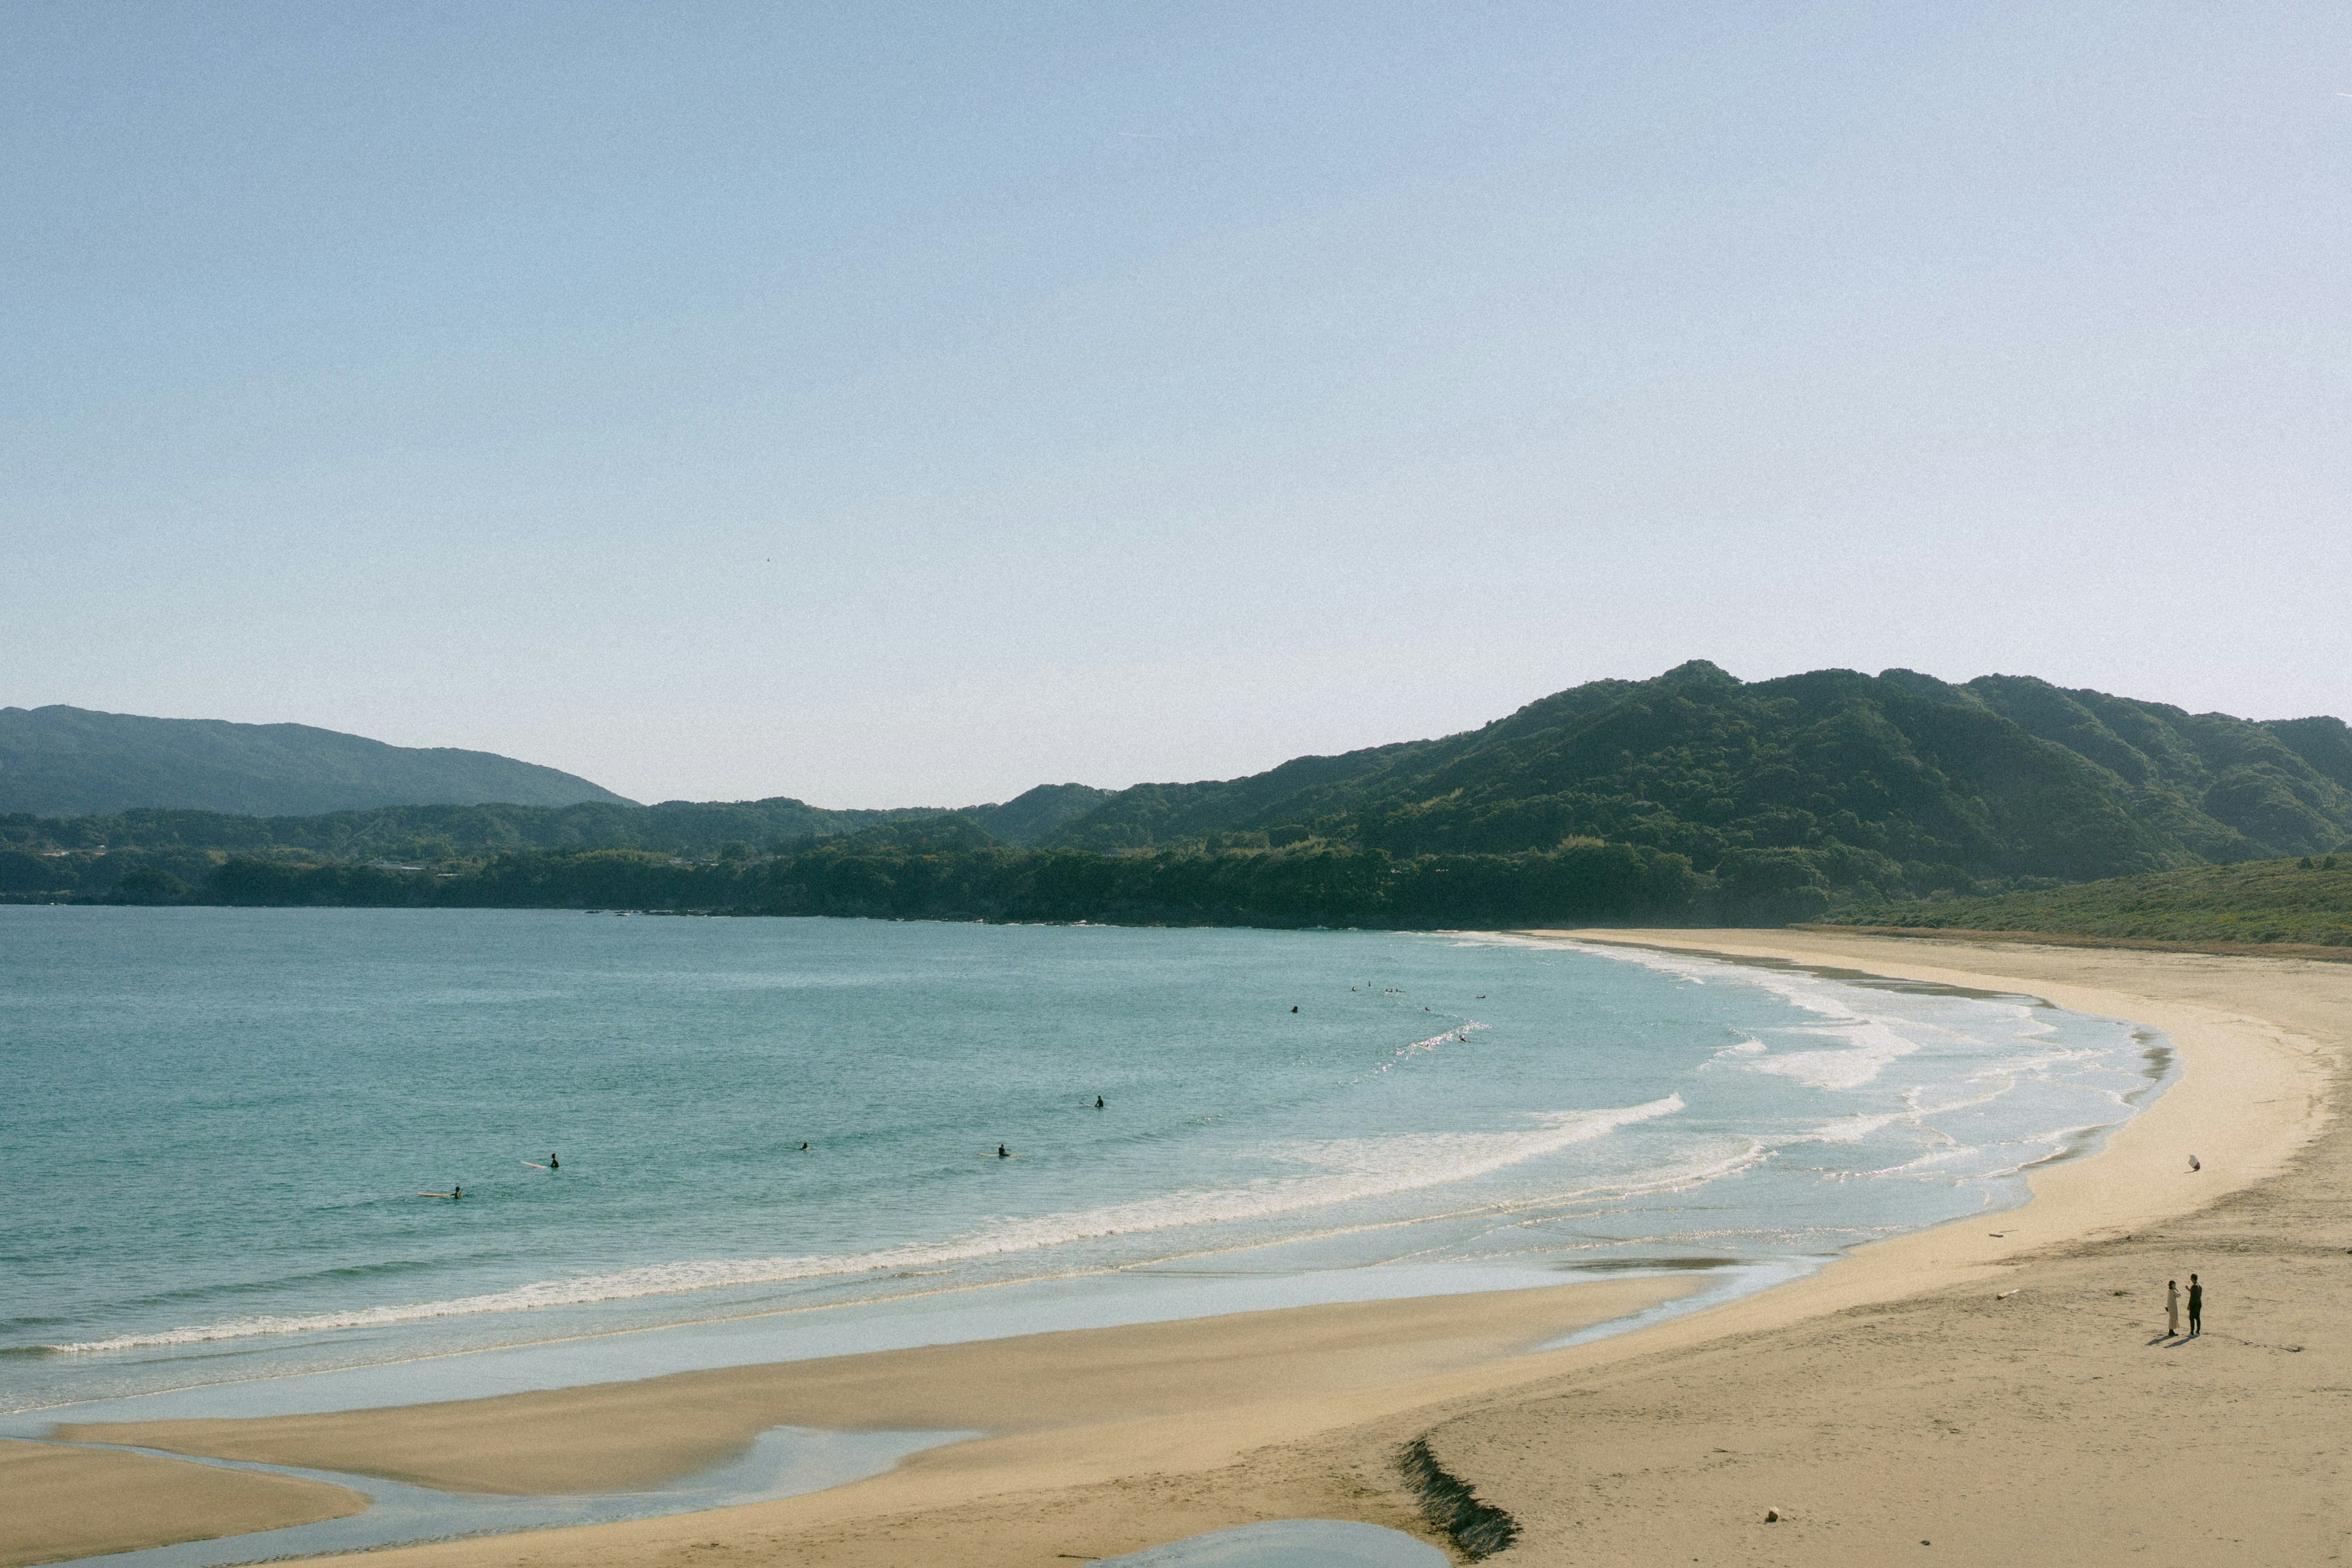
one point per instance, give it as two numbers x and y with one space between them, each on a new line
1989 1386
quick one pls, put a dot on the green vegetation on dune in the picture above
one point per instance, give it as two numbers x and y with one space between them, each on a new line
2305 900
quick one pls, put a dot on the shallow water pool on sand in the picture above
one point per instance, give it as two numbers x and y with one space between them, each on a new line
786 1462
1291 1543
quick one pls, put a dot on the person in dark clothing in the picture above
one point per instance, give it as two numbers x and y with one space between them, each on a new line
2196 1308
1002 1153
554 1164
1098 1105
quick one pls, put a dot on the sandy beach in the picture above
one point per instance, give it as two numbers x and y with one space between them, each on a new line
78 1503
1998 1387
610 1436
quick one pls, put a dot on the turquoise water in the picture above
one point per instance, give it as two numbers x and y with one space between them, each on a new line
215 1123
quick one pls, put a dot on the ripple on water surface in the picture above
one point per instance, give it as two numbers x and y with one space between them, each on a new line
219 1122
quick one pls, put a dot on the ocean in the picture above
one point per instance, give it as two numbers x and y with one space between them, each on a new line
216 1127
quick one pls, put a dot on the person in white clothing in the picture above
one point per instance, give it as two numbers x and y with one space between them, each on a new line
2172 1308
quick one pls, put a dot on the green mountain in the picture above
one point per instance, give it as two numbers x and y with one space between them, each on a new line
71 762
1693 796
1037 815
450 832
1870 786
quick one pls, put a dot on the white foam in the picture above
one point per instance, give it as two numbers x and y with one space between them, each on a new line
1876 1040
1352 1170
1874 1046
1850 1128
1458 1035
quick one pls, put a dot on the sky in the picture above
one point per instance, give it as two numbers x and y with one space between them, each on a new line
905 404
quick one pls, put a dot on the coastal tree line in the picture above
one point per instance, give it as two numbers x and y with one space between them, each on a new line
1300 885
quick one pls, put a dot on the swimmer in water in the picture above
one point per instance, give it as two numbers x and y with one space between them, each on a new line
1001 1153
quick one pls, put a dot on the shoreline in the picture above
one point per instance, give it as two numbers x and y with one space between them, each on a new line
647 1432
2245 1100
1129 1475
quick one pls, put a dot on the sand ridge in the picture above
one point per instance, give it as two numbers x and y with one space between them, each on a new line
62 1502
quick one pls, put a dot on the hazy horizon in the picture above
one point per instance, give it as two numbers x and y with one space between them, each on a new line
915 406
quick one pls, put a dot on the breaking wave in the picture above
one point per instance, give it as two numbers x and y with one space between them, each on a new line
1351 1171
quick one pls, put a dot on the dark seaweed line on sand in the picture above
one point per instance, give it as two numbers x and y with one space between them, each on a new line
1476 1528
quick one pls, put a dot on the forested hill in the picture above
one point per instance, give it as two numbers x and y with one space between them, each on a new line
71 762
1869 786
91 855
1692 796
702 829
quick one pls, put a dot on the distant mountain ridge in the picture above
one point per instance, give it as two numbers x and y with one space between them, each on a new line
73 762
1692 795
1884 785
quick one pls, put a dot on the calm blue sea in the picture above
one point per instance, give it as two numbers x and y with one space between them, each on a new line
215 1124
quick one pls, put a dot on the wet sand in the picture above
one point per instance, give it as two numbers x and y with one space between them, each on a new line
622 1436
1992 1386
58 1502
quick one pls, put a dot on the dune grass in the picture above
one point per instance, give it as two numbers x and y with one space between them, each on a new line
2302 900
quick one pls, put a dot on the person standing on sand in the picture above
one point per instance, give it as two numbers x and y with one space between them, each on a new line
2172 1308
2196 1308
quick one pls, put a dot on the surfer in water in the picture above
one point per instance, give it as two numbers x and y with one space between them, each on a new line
804 1148
456 1192
1002 1152
1098 1104
554 1164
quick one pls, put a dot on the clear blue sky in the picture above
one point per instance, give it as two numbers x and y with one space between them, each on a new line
892 405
